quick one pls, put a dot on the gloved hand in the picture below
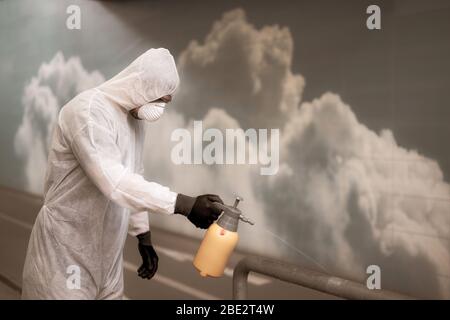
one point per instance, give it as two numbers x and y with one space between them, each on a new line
149 257
200 210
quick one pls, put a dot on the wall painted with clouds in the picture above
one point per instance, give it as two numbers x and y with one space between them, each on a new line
363 116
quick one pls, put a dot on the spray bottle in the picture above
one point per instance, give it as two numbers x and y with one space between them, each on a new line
219 241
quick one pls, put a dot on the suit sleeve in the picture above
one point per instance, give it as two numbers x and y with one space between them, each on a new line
96 150
138 222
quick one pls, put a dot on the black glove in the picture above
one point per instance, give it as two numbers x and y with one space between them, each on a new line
201 210
149 257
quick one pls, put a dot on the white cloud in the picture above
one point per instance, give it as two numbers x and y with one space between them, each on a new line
243 70
357 198
55 84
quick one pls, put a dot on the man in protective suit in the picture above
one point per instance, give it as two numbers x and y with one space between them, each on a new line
95 191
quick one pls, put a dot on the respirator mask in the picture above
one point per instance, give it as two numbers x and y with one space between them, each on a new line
151 111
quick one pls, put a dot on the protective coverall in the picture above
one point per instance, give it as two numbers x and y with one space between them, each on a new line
94 186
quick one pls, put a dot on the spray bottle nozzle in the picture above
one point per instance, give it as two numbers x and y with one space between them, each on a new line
231 216
245 219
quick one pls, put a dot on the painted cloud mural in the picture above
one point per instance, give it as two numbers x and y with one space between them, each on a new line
345 197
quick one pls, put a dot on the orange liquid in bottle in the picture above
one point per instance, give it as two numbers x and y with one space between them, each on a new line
215 250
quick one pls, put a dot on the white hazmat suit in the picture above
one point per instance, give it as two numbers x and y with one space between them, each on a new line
94 189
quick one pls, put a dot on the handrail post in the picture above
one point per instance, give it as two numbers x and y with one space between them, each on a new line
240 277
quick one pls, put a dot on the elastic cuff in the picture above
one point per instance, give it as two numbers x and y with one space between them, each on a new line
184 204
138 223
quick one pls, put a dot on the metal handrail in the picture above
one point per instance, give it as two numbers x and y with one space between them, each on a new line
322 282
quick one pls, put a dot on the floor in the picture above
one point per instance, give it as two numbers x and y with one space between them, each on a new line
6 293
